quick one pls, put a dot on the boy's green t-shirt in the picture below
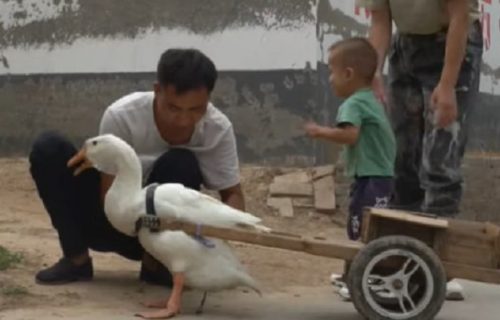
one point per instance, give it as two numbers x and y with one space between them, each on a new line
375 151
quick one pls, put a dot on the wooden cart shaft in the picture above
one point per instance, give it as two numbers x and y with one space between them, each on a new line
342 249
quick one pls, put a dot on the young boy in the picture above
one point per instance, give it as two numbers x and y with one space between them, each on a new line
362 126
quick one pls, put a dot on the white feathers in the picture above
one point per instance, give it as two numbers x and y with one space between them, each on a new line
184 204
204 268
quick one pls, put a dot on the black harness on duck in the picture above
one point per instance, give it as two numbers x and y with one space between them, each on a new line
153 222
150 220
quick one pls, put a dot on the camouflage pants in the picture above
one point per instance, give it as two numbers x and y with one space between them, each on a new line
428 175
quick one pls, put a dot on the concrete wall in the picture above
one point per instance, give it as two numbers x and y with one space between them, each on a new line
63 61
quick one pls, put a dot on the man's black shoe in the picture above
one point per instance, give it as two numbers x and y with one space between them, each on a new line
64 271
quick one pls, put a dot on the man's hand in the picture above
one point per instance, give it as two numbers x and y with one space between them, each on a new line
313 129
444 105
233 197
106 182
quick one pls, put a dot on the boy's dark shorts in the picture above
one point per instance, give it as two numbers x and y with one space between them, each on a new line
367 192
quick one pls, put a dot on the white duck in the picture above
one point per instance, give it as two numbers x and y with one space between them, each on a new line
191 263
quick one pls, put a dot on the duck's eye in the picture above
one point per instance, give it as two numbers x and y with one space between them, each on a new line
94 142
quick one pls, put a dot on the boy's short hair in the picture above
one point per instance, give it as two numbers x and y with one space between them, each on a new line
358 54
186 69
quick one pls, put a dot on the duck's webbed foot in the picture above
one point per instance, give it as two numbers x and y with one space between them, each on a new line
156 304
169 308
159 314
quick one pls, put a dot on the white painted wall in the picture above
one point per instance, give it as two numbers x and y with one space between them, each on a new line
250 48
235 49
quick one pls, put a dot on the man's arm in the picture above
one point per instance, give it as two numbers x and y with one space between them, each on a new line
106 181
456 41
380 37
233 197
111 124
380 33
443 99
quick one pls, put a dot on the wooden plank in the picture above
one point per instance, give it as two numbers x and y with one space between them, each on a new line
488 275
467 226
388 227
345 250
368 224
324 195
479 257
469 239
493 230
439 239
410 218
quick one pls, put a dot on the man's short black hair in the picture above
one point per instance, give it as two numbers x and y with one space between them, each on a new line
359 54
186 69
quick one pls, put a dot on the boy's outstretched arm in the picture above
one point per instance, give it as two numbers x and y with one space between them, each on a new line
344 134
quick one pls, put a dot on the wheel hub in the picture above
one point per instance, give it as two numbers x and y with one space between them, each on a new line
398 284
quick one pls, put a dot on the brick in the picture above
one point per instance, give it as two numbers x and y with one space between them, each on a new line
303 202
291 189
324 195
283 205
320 172
294 177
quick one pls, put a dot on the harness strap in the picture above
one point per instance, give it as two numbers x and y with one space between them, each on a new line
151 220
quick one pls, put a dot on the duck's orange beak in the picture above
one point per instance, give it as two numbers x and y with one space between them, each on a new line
80 161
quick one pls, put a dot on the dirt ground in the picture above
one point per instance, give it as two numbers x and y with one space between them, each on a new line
25 228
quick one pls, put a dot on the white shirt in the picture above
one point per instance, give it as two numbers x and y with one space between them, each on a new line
213 142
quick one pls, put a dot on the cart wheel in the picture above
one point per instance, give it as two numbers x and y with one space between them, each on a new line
397 278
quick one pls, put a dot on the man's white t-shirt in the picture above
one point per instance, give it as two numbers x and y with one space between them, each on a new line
213 142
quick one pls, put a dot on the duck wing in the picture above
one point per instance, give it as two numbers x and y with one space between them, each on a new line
177 202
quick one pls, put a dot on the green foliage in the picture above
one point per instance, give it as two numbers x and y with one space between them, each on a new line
8 259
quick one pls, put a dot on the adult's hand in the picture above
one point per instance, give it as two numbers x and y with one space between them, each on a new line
444 105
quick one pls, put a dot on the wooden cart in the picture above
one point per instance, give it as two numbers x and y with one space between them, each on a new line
401 267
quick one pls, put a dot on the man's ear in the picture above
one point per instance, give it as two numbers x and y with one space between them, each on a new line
157 88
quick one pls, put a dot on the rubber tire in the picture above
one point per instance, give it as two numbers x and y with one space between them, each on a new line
374 248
